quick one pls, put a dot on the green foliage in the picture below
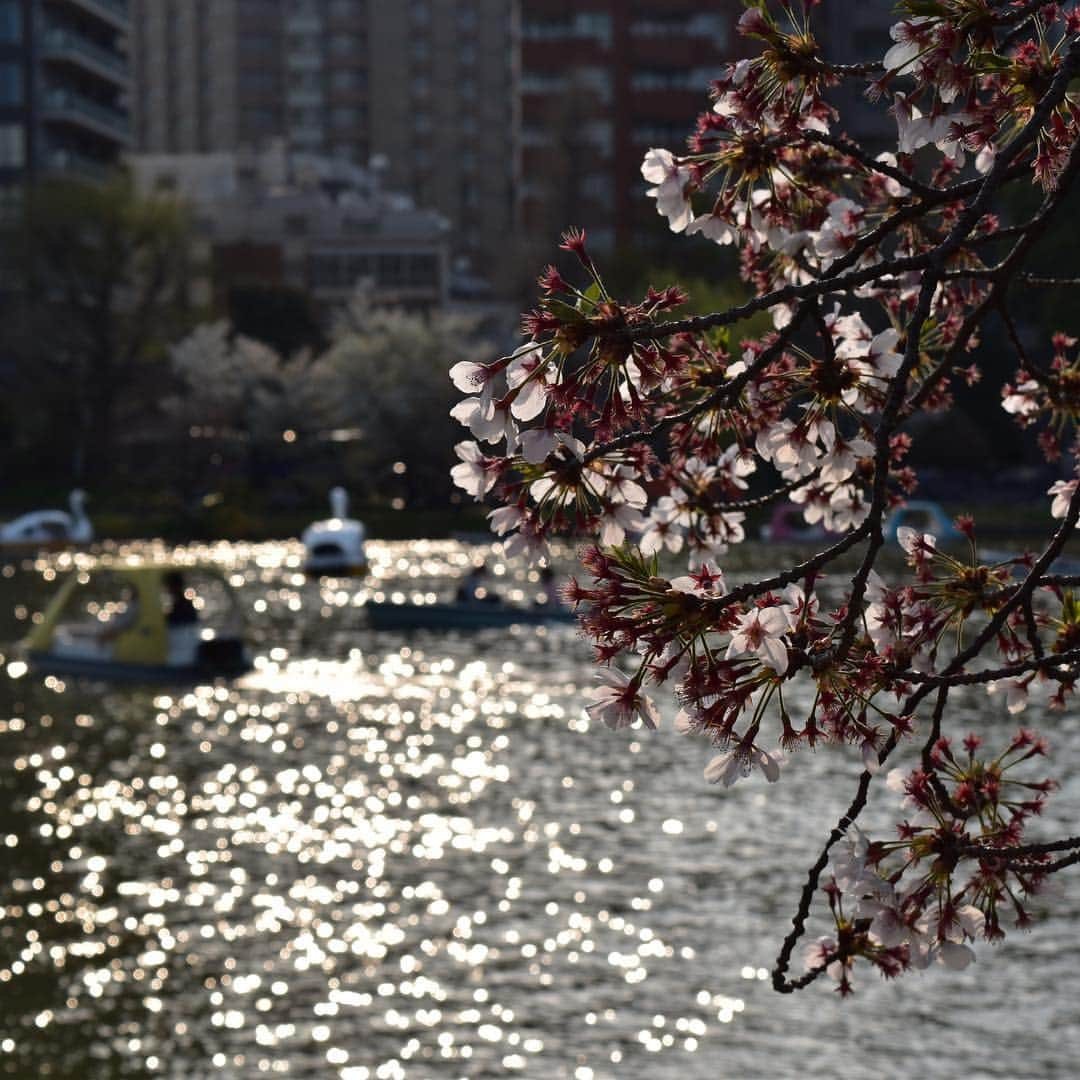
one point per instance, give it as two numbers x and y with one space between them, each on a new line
97 289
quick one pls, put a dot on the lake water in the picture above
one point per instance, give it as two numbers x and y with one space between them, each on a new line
397 855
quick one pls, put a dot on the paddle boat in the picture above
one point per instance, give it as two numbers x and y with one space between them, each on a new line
49 529
458 616
335 547
925 516
152 622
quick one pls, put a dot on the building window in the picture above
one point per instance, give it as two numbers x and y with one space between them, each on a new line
12 146
391 270
597 81
355 150
346 44
259 121
345 79
356 267
295 225
309 119
257 82
600 135
543 82
665 79
11 83
343 116
10 21
583 24
257 44
421 270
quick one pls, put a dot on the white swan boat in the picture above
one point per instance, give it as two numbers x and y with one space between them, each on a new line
335 547
44 529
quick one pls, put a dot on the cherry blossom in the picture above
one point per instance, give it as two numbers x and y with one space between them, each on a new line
618 702
671 180
760 631
665 441
734 765
1063 491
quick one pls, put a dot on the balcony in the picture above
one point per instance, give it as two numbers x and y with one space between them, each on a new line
71 163
304 22
305 60
304 99
68 107
114 12
63 45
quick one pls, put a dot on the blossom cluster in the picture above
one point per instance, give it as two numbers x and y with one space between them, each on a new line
660 437
943 882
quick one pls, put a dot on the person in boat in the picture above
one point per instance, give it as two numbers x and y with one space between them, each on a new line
476 588
182 610
181 620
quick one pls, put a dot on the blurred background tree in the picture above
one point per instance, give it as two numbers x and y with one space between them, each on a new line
99 286
371 413
391 369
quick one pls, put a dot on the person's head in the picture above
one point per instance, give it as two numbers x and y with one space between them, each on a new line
479 570
174 582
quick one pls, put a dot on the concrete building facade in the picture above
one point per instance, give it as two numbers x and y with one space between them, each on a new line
64 89
421 89
280 219
601 81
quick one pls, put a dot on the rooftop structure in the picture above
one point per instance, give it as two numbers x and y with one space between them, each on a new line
281 219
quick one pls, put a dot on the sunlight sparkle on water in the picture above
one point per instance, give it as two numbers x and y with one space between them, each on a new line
421 839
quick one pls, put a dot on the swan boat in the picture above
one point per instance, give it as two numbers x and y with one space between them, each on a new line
335 547
49 529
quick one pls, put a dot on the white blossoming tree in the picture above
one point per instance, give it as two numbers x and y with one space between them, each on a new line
625 422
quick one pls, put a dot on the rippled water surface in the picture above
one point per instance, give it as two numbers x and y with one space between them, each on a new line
409 855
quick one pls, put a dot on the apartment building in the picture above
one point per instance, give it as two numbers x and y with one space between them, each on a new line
64 89
600 82
420 88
